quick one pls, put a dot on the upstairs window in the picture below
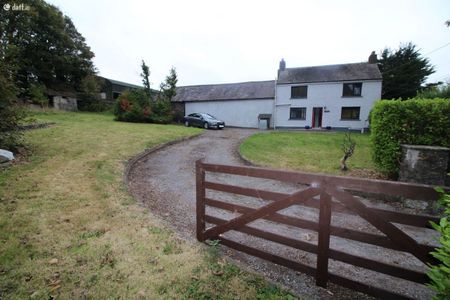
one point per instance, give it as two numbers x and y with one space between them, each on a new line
297 113
352 89
350 113
299 92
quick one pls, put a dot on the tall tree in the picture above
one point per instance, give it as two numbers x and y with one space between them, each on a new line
168 87
42 45
404 71
145 78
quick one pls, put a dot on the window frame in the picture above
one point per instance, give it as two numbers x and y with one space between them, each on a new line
352 89
354 118
303 112
116 95
301 96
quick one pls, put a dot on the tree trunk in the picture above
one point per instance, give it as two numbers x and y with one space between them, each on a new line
343 163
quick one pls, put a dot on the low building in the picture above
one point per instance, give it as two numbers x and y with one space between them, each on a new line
111 89
62 99
333 96
238 104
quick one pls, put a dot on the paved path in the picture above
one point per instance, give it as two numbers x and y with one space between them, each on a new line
165 182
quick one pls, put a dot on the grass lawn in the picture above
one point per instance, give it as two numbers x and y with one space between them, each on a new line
68 228
318 152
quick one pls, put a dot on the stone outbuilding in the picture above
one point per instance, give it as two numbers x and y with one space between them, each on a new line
62 100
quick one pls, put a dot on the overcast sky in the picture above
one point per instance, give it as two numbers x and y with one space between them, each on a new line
233 41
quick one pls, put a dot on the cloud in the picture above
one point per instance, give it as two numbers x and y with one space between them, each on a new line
230 41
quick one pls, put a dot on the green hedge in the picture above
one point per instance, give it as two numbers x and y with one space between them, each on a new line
416 121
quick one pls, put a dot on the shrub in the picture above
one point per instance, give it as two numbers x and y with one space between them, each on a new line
136 106
139 106
440 91
416 121
89 95
36 92
440 274
133 106
11 114
162 112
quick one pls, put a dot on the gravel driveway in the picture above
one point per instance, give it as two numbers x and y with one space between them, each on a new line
164 181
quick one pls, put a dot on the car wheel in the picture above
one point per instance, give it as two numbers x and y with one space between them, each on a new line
186 124
206 125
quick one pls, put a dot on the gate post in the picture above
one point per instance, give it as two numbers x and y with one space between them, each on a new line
200 194
324 240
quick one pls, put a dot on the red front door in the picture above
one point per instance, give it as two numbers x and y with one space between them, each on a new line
317 117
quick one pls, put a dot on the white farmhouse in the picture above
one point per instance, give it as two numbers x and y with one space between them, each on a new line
332 97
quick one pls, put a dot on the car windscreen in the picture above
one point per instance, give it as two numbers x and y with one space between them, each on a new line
207 116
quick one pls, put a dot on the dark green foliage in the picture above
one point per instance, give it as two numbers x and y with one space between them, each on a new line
89 95
440 91
36 92
42 45
145 75
11 114
417 122
404 71
161 112
440 274
168 87
162 107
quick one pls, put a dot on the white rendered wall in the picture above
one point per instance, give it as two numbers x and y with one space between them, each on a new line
329 97
239 113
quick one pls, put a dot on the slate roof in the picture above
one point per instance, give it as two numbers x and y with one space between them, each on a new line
342 72
227 91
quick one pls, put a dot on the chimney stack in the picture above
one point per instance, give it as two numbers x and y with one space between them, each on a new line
373 59
282 65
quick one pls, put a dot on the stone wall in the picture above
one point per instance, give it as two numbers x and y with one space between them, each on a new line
424 164
65 103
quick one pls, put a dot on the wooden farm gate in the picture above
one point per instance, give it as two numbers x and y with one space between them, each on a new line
334 194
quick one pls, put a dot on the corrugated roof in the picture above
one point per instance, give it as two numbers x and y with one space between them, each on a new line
117 82
342 72
227 91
